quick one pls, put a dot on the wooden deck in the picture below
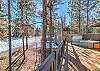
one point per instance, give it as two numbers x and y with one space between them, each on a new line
81 59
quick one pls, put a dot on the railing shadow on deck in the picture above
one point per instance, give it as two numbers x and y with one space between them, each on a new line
75 62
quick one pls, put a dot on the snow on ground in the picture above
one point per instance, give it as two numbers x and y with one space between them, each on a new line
17 42
53 45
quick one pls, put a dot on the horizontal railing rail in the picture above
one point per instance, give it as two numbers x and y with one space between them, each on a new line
46 65
53 61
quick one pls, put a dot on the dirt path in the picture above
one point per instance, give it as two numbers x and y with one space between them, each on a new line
30 62
81 59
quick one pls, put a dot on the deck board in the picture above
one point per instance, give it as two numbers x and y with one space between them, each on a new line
81 59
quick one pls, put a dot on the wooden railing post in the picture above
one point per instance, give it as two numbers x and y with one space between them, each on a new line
54 63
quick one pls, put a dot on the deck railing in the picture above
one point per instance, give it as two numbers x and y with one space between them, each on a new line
53 61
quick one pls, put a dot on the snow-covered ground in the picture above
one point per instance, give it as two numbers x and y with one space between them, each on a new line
53 45
17 42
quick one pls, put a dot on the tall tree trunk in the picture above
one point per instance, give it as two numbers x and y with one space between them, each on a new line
0 6
26 39
87 28
62 29
22 27
50 28
43 42
26 31
9 30
79 16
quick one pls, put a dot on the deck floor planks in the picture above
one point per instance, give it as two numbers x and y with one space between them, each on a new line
81 59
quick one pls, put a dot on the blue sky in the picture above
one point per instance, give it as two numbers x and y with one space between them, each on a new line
63 8
62 11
